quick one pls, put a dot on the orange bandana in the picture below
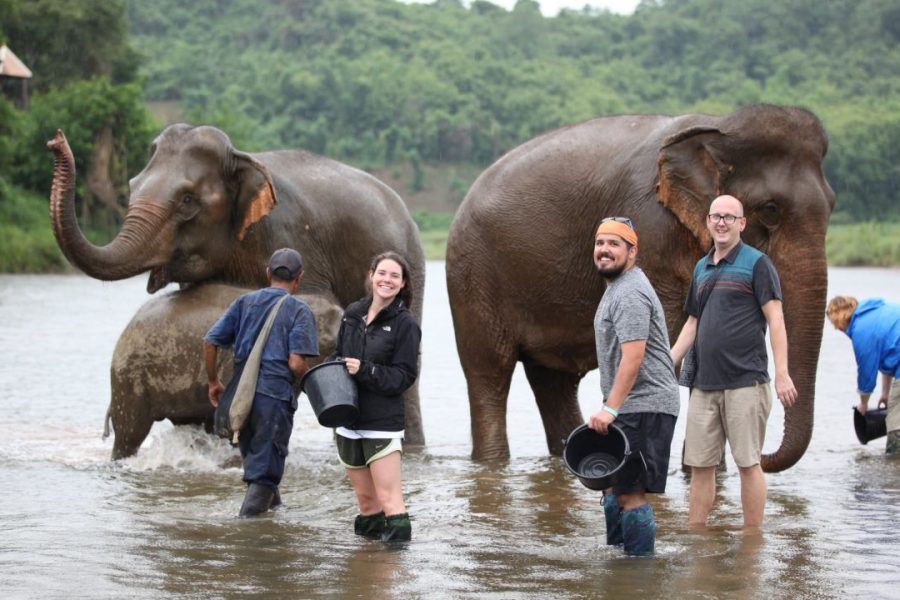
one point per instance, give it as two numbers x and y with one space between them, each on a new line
620 229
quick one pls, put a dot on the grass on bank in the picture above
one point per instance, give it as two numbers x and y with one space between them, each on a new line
27 244
868 244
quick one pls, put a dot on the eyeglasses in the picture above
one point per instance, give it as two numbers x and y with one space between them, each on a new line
728 219
625 220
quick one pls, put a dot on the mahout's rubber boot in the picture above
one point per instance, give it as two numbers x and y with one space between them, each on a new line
370 526
397 528
257 500
639 531
613 513
893 443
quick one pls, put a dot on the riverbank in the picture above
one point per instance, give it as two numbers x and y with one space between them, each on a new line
27 244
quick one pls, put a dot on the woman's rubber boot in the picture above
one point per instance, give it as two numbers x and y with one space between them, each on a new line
613 513
257 500
369 526
397 528
639 531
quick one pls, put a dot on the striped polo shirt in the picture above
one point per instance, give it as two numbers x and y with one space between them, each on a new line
731 332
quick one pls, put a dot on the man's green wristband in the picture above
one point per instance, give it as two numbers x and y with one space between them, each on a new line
611 410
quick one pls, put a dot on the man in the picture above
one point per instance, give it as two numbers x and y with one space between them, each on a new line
264 438
874 328
737 290
638 383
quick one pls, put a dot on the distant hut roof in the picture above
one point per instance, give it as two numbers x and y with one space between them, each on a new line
11 66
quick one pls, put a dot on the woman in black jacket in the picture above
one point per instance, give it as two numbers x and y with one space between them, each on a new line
379 343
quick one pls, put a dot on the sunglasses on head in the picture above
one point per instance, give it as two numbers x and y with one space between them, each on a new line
624 220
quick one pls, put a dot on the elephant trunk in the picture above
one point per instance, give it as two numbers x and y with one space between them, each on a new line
127 255
804 313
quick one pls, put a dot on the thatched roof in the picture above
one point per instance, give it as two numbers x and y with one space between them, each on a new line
11 66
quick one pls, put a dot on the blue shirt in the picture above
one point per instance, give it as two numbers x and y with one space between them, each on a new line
874 330
293 332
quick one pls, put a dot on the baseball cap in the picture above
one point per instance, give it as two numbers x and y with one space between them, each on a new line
287 258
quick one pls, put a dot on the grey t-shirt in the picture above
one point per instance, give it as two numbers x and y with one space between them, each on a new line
630 310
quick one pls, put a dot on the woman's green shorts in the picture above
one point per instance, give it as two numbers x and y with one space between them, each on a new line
357 454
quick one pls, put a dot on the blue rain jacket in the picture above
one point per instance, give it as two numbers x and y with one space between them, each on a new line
875 332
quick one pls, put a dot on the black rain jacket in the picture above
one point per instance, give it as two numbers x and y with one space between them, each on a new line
388 349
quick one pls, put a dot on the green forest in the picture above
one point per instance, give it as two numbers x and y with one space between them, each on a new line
427 95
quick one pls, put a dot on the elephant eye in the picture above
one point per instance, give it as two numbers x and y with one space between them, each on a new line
769 213
187 200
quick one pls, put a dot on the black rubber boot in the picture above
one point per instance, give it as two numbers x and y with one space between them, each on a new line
369 526
257 500
397 528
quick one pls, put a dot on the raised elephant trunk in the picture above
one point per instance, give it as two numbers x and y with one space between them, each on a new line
804 311
126 255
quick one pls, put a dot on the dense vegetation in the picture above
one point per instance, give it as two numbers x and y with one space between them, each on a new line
427 95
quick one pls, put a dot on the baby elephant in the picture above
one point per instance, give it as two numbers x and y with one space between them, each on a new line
157 368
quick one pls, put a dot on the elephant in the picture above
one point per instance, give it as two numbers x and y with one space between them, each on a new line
203 211
521 281
157 369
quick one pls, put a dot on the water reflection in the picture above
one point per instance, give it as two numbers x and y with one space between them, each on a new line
162 523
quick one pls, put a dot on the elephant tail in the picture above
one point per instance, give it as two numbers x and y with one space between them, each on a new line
106 421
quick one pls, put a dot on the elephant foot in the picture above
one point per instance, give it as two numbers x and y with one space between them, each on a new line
257 500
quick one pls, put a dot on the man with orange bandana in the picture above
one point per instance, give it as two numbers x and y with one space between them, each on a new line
638 382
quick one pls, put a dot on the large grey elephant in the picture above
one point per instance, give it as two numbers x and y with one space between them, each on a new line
522 284
202 211
157 369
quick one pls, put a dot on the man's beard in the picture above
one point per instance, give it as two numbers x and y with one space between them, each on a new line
611 272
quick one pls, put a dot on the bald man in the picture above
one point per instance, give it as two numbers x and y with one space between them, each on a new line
735 293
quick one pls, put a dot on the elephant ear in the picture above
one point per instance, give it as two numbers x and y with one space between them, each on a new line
690 175
256 192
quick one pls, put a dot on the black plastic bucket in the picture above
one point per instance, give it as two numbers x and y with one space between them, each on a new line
332 394
596 459
871 425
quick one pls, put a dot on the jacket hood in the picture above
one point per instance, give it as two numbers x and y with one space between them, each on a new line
361 307
868 306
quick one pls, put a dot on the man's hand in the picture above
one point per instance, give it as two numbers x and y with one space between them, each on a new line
215 392
785 390
600 421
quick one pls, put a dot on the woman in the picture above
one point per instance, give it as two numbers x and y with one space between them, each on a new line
874 328
379 343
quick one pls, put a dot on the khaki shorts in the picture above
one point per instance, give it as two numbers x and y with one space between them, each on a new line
893 407
736 415
357 454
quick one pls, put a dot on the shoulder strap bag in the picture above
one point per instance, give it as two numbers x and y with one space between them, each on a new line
237 400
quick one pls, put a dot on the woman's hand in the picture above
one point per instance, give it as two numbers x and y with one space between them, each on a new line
352 365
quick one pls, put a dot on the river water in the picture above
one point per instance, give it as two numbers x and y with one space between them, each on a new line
162 524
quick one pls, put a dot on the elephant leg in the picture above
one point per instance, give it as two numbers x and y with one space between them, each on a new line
130 433
488 370
556 394
413 433
131 420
